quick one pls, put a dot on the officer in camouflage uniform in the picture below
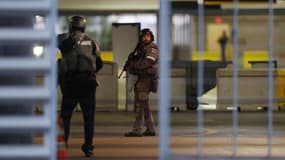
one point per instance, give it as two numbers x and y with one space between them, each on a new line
78 79
143 62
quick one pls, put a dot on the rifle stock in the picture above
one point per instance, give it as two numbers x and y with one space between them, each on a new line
131 55
121 73
124 69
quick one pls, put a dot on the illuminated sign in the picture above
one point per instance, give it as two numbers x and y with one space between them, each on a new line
218 20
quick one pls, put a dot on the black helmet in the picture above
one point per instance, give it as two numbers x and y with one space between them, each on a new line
77 23
146 31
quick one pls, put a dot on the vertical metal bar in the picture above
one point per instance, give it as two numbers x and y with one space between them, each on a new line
190 35
164 102
235 78
52 19
180 29
189 32
184 30
270 75
179 26
200 75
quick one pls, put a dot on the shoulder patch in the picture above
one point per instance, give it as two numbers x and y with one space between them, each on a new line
151 58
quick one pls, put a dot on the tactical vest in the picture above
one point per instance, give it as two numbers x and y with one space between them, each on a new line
80 58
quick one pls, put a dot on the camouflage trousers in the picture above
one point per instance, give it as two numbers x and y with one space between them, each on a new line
143 115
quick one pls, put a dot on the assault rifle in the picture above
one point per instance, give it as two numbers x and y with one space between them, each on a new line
124 69
130 57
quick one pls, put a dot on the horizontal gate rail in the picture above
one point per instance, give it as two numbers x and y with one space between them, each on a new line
22 152
24 93
24 123
27 65
26 5
24 35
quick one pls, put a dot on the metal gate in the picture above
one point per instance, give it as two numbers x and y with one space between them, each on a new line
27 50
164 102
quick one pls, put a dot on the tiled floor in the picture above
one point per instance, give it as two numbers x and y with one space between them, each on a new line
251 141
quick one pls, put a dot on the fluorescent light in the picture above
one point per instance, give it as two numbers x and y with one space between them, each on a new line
38 51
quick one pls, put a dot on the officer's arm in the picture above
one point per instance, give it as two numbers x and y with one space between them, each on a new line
149 60
96 52
58 60
99 63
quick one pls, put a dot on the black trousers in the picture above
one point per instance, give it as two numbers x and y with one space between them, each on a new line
80 90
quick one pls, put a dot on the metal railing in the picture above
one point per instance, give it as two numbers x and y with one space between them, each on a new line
19 68
164 116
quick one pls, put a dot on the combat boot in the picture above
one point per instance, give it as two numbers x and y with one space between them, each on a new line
87 149
133 134
149 133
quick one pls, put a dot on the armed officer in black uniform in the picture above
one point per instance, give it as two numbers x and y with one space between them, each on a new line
77 78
